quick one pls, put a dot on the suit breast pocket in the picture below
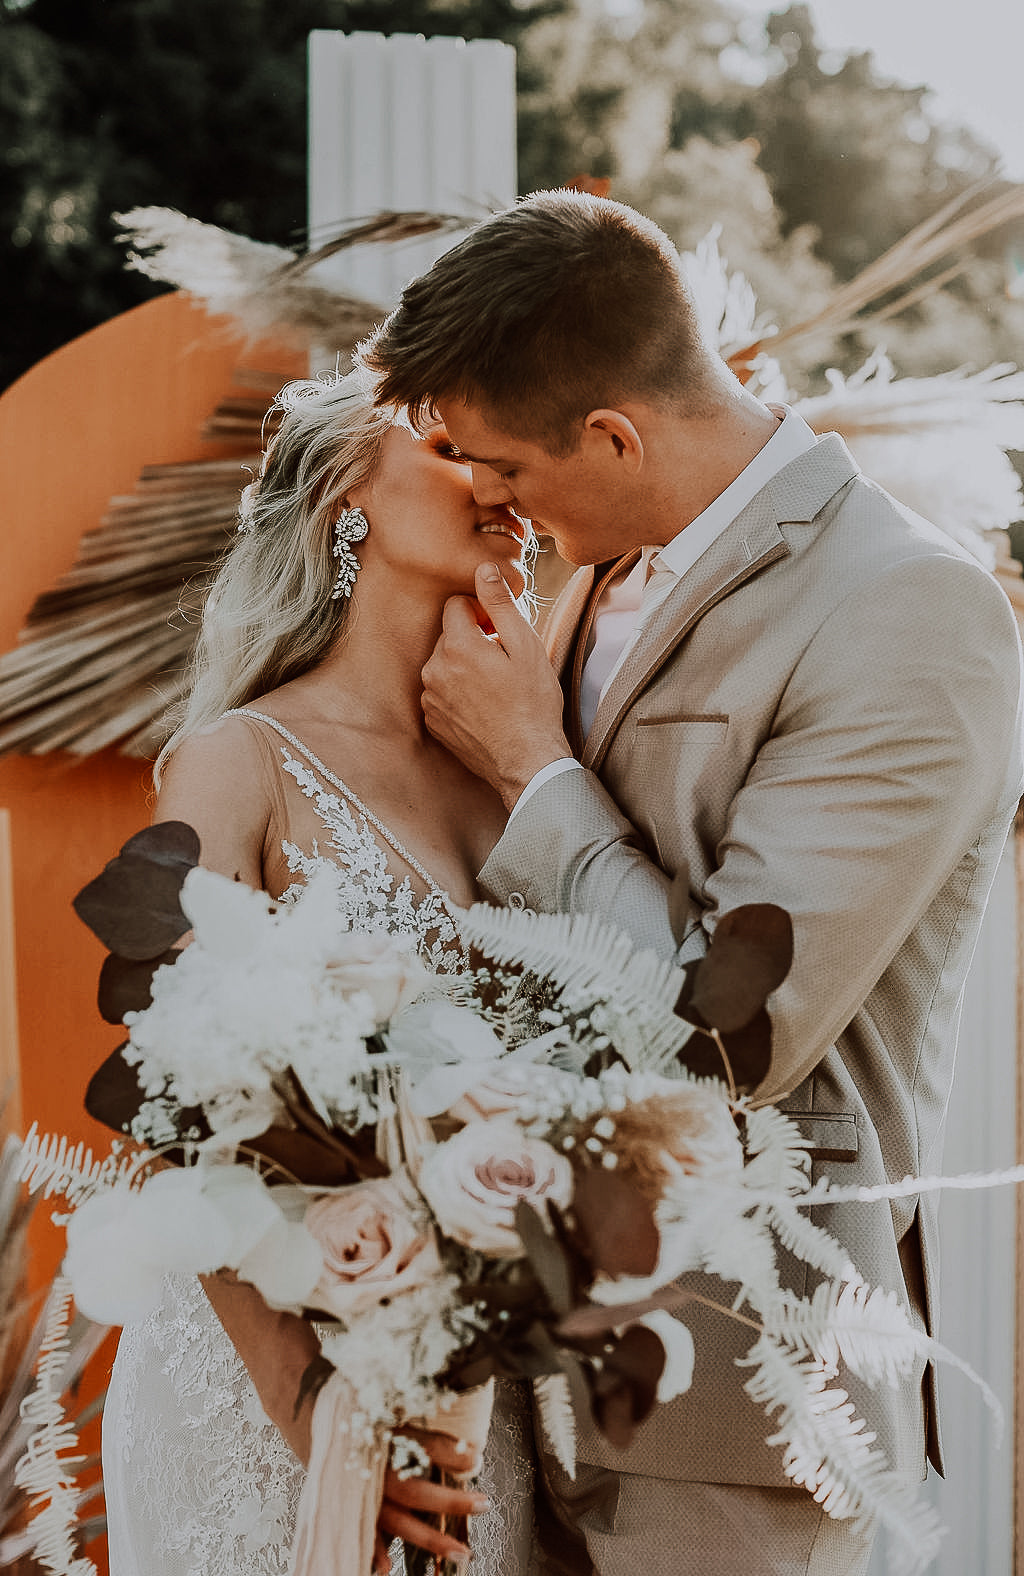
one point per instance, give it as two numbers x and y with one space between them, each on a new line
686 728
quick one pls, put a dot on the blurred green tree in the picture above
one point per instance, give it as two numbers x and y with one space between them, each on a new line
192 104
812 163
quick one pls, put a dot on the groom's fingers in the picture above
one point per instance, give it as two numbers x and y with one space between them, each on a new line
495 704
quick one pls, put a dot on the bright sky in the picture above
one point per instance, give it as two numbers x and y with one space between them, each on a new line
971 52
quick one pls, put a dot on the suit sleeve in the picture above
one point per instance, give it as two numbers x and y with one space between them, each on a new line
895 753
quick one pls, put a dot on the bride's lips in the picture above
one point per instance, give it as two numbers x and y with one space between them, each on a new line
505 525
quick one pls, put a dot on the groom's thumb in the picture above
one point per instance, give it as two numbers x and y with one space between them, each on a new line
496 599
491 586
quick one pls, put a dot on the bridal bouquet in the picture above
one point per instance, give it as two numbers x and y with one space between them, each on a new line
501 1171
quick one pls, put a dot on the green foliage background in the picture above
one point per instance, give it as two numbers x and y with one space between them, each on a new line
812 165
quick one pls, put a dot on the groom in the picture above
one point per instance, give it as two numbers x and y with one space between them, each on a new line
768 683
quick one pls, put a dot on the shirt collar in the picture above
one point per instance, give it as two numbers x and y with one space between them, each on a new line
790 439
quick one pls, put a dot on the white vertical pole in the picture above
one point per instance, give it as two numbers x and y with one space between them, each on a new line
978 1271
405 123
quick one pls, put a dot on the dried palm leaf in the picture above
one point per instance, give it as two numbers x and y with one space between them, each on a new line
267 289
947 231
102 654
937 444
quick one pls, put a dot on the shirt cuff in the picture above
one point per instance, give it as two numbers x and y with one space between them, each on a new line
553 769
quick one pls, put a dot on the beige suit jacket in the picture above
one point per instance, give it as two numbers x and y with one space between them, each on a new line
824 714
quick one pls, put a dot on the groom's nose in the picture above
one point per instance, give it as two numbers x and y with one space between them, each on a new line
489 487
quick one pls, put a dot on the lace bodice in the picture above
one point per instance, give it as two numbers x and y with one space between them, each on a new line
354 839
198 1481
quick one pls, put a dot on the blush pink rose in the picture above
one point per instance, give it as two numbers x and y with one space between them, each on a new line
373 1248
475 1180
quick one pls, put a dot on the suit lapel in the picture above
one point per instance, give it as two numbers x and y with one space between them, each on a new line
750 544
560 634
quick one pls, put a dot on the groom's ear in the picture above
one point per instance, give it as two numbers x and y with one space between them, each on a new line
611 436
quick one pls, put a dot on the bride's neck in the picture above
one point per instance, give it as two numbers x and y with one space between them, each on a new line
380 658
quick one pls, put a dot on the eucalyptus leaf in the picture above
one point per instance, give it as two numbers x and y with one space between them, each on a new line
126 983
625 1388
547 1257
134 905
749 956
114 1097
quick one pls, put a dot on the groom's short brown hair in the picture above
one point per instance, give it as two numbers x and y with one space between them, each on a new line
556 307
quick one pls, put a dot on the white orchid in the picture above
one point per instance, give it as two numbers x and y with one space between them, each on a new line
443 1050
123 1241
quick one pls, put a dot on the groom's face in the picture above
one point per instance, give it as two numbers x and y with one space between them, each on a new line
575 499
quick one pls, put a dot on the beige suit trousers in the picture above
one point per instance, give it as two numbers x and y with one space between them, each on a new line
607 1523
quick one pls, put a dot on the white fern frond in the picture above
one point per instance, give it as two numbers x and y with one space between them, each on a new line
69 1171
554 1404
809 1242
742 1250
828 1192
866 1328
778 1154
828 1450
46 1471
588 960
647 1041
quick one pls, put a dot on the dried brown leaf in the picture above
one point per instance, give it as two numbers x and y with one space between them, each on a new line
616 1223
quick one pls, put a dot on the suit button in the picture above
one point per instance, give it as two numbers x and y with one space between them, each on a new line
516 900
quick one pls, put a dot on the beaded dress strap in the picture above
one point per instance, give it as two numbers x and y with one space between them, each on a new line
353 799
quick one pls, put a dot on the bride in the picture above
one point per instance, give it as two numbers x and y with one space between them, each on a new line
303 741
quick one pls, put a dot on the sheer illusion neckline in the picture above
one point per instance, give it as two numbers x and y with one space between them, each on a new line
364 810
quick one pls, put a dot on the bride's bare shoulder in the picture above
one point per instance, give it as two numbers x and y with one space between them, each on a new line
217 780
214 757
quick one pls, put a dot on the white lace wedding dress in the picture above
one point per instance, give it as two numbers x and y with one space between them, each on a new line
198 1481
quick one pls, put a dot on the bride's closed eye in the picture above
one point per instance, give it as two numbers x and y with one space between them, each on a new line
450 451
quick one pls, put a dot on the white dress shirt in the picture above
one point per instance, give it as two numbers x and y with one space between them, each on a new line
626 604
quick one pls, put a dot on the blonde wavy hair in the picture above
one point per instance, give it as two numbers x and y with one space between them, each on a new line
269 615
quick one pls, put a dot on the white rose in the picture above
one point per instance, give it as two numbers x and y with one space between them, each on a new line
501 1092
390 975
474 1182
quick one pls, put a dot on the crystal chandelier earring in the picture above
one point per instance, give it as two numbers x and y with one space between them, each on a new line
351 526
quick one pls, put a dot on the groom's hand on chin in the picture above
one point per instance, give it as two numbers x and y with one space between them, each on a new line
492 699
408 1500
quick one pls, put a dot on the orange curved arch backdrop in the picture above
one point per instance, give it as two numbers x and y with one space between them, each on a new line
75 430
